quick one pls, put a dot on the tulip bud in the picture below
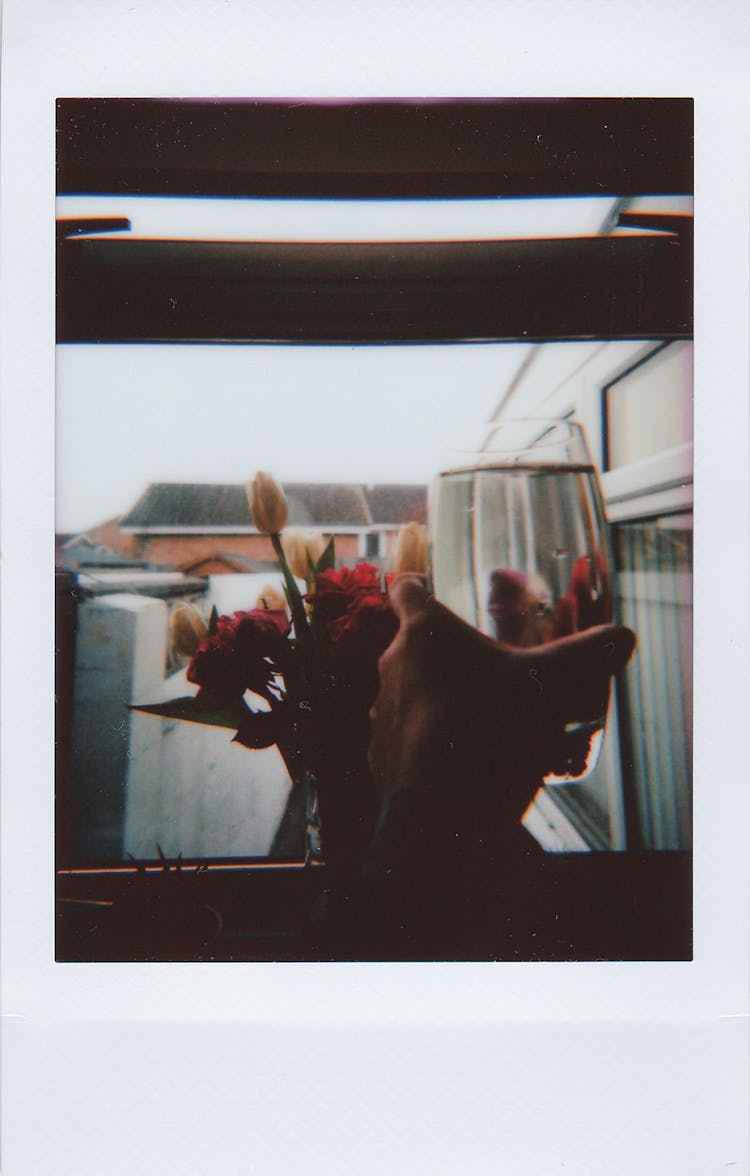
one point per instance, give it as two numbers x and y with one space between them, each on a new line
187 629
316 545
298 547
271 599
267 503
411 550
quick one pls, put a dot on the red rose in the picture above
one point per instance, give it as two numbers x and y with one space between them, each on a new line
246 652
369 623
336 590
219 674
267 625
351 647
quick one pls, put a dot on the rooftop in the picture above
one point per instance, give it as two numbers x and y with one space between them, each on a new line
326 505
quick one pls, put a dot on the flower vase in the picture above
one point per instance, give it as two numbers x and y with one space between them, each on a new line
333 787
346 808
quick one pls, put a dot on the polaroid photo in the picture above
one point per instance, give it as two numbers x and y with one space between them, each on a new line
367 438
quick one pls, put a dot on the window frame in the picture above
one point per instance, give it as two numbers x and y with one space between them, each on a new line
653 487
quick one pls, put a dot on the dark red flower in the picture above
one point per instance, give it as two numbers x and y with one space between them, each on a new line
247 652
266 625
369 622
335 590
354 624
219 674
351 647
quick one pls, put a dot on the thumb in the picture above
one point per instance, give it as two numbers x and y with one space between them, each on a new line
410 596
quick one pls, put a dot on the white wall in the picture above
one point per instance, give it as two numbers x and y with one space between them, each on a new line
144 780
195 792
120 654
239 592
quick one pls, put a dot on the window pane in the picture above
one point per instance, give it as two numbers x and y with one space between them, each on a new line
650 408
587 804
654 562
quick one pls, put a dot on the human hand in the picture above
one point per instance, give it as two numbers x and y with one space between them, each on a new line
461 712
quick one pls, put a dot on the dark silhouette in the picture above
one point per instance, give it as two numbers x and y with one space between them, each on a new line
463 731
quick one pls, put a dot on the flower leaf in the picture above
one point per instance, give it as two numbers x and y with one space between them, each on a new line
310 575
328 558
190 711
213 621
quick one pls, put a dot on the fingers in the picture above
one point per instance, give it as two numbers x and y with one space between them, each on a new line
606 647
619 646
573 674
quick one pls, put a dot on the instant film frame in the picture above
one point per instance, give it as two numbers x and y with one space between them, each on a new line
454 1049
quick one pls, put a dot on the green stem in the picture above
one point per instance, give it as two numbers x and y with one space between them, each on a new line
299 616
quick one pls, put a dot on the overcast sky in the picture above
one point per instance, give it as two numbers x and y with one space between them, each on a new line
131 414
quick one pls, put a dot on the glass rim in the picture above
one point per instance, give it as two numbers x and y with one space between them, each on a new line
575 428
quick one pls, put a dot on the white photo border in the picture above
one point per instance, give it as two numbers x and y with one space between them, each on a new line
420 1068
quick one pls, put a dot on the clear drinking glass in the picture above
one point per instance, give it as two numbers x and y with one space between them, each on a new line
518 546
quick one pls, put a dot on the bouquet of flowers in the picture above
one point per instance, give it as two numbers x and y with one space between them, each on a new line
300 671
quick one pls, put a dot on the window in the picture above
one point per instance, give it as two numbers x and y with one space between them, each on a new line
640 794
135 781
638 407
654 566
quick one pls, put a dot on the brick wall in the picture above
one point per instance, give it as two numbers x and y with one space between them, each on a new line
183 550
111 536
347 548
180 551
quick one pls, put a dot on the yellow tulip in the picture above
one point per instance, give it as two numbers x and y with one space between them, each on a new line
298 547
411 550
267 503
271 599
187 629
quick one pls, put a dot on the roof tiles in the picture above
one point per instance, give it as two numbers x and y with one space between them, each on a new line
326 505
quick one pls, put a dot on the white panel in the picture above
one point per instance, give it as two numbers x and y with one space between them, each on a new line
651 409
